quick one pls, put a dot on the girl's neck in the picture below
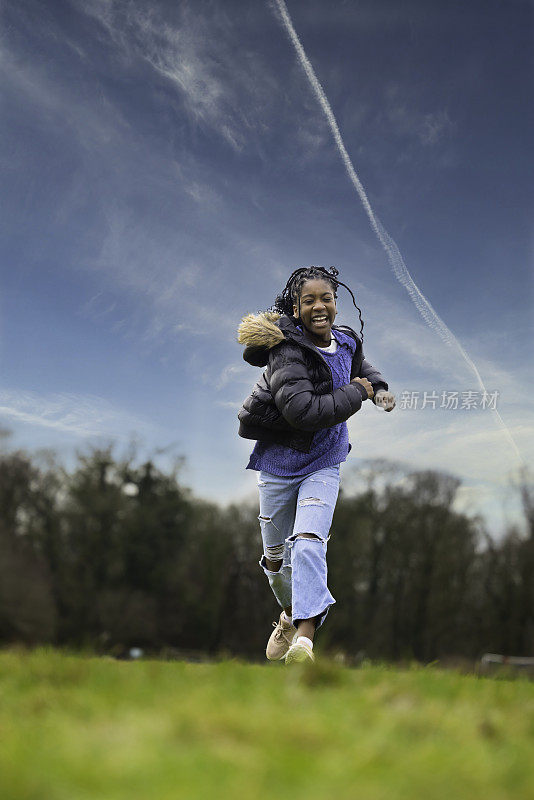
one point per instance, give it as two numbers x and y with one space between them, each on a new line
319 341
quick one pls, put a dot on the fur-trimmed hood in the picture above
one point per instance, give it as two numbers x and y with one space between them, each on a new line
260 330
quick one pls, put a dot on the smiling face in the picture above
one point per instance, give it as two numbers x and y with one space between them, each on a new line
317 309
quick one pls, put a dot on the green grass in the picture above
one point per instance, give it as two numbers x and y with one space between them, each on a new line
75 727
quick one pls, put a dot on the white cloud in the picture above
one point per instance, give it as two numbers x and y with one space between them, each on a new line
428 127
147 264
222 86
202 193
59 105
81 415
232 374
147 275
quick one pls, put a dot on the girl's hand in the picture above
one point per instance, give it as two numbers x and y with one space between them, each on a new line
367 384
385 399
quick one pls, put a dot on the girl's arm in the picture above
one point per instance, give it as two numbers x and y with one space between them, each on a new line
382 397
296 398
373 376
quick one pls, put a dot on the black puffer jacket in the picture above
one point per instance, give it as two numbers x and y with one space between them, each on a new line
295 396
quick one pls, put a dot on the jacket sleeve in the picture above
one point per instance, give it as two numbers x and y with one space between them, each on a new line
296 399
373 376
257 356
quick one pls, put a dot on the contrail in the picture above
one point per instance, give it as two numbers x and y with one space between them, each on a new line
395 258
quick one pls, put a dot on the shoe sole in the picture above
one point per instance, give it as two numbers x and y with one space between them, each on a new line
299 656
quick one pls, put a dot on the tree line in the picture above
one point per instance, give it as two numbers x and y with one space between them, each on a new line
115 554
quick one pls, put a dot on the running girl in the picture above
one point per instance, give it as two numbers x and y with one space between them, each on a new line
316 377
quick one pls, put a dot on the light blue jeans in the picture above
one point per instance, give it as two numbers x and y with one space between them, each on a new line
289 507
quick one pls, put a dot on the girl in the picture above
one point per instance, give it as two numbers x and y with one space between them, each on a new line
316 377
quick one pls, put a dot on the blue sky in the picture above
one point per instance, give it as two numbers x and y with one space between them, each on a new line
165 166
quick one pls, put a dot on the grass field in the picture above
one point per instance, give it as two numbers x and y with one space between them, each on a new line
75 727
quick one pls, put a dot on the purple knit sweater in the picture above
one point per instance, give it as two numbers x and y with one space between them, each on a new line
330 445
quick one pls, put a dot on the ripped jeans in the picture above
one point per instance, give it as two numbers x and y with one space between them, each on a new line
289 507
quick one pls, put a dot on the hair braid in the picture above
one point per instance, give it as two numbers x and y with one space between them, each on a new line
290 294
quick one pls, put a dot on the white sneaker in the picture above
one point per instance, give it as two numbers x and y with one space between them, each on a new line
299 651
280 639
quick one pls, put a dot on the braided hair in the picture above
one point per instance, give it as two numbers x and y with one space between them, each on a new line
290 294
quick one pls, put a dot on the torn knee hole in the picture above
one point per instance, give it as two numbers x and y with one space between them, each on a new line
274 553
307 536
311 501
